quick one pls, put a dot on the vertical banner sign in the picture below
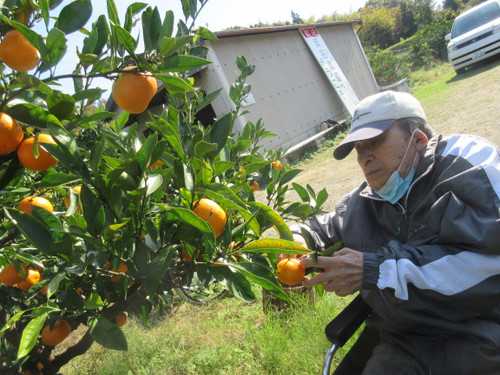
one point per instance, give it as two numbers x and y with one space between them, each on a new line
329 65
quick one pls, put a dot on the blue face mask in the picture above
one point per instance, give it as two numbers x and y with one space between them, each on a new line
397 186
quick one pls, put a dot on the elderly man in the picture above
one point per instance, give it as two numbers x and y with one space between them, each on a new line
421 244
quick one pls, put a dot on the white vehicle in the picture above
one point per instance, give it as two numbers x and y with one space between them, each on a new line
475 35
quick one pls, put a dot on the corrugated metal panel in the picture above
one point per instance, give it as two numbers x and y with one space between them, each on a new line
292 94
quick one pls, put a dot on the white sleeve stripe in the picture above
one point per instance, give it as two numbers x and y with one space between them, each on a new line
449 275
478 152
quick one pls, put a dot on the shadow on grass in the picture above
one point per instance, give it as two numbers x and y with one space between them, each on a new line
477 68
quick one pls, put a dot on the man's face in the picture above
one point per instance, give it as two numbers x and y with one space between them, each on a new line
379 157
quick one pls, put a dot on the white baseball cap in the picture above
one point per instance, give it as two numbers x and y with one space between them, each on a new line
375 114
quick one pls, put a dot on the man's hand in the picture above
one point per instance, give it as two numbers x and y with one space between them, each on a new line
343 272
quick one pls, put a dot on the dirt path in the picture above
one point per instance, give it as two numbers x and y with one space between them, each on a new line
469 103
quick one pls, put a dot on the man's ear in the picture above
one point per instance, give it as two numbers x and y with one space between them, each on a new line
421 140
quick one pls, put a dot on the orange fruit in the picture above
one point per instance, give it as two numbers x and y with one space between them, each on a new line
57 334
277 165
11 134
78 189
17 53
32 277
10 275
290 271
27 157
156 164
133 91
122 268
121 319
188 258
27 203
211 212
254 185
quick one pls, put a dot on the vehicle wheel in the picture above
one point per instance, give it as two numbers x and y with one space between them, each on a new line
198 294
460 71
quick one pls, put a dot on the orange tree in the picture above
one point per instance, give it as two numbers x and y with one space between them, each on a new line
119 244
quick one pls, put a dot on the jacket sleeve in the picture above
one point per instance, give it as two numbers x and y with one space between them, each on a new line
325 230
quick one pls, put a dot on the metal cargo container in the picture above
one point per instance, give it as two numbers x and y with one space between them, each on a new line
290 91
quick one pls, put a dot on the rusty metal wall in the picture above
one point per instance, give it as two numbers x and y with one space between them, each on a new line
291 93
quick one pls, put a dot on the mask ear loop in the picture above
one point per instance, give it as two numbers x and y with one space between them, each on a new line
406 152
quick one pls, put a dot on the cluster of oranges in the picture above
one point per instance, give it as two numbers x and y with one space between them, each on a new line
12 139
11 276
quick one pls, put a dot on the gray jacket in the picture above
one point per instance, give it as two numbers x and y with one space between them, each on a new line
432 260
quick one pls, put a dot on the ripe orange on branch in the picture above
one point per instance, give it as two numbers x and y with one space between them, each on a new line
10 275
57 334
27 204
133 91
32 277
290 271
17 53
121 319
27 157
11 134
277 165
211 212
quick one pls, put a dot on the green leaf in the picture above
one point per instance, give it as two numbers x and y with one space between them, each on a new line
98 37
168 24
189 8
289 176
235 282
157 268
321 198
206 34
94 301
220 131
126 40
203 148
74 16
262 276
93 211
190 218
182 63
56 46
275 246
302 192
146 150
132 10
107 334
32 115
31 228
30 335
175 85
112 12
11 322
8 174
207 99
276 220
153 183
61 105
92 95
151 28
335 247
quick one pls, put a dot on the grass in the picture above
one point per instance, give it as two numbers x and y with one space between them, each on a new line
224 337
